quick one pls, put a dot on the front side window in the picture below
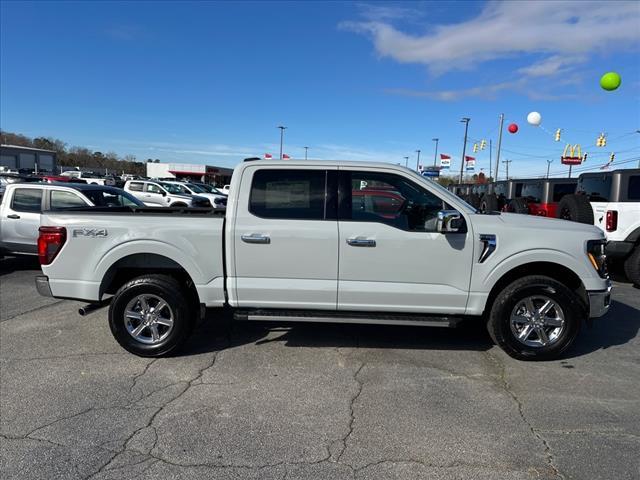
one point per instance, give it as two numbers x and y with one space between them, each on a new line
153 188
62 199
288 194
105 198
389 199
562 189
27 200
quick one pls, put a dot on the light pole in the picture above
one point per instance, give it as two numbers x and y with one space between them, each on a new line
465 120
418 161
549 162
406 162
495 179
282 129
306 150
435 155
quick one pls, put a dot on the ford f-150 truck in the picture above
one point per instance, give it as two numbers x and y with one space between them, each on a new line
300 242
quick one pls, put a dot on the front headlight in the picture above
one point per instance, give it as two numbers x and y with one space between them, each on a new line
597 257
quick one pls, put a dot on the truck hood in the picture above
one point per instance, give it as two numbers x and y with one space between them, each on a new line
535 223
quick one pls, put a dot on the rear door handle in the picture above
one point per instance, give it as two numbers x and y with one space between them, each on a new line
361 242
14 216
256 238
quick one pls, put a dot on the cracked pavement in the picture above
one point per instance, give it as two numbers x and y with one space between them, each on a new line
258 401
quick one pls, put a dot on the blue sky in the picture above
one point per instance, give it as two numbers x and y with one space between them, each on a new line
210 82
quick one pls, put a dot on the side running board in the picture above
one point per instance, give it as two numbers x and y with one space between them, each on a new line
346 317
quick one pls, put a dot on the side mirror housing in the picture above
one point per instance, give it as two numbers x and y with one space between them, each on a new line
449 221
163 193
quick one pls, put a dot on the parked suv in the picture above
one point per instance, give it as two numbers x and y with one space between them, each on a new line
163 194
610 201
542 196
217 200
499 194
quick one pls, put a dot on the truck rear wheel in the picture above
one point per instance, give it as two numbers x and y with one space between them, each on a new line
632 266
575 208
489 203
535 318
150 316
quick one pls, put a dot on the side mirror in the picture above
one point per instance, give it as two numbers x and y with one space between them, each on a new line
449 221
163 193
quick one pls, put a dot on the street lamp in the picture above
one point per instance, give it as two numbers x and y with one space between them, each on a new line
418 161
435 155
406 162
306 150
465 120
282 129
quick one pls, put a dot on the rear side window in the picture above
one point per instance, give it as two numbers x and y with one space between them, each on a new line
597 188
533 191
634 187
27 200
292 194
135 186
562 189
61 199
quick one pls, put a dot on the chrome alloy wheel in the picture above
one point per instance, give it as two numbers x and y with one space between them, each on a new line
537 321
148 319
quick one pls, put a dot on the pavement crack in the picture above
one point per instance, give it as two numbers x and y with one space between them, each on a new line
344 440
506 386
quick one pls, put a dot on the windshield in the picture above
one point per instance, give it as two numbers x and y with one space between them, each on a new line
112 198
206 188
195 188
174 188
597 188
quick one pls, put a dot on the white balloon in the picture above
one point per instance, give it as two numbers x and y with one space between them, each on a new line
534 118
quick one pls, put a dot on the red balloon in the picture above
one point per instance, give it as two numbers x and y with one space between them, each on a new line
513 128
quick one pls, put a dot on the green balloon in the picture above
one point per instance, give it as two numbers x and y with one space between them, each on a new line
610 81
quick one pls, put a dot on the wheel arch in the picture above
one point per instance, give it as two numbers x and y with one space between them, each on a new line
553 270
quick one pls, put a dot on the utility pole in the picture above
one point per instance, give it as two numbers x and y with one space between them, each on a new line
306 151
495 179
282 129
465 120
570 166
418 161
435 155
549 162
507 162
406 162
490 160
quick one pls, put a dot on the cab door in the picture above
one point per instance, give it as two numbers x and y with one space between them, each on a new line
285 238
391 258
153 194
22 219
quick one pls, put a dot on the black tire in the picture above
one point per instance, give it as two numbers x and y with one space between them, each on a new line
178 205
171 292
499 322
489 203
575 208
519 205
632 266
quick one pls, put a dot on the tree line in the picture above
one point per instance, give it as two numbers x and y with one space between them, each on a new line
81 157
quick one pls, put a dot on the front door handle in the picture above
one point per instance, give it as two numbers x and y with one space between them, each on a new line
256 238
361 242
13 216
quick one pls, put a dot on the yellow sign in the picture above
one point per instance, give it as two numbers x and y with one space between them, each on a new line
572 149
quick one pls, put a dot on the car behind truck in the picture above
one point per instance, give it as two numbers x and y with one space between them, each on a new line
300 242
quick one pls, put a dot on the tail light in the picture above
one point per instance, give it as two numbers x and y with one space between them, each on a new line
50 242
612 220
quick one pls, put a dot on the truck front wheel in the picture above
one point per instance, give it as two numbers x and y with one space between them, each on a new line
535 318
632 266
150 316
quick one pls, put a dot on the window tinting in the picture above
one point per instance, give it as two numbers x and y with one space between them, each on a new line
61 199
293 194
634 187
389 199
532 191
135 186
562 189
27 200
597 188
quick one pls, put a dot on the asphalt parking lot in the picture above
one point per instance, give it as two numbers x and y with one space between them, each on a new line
310 401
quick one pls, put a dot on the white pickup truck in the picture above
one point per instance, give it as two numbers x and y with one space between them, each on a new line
330 242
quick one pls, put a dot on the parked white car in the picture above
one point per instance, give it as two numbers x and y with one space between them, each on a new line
305 241
217 200
23 204
90 178
163 194
610 201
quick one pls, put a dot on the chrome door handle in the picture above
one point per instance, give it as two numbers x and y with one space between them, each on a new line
13 216
256 238
361 242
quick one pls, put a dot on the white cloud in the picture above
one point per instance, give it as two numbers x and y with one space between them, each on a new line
558 30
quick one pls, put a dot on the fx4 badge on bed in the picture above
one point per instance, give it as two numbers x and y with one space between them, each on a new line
90 232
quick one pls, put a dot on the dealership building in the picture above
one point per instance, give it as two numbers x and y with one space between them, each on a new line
194 172
27 159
